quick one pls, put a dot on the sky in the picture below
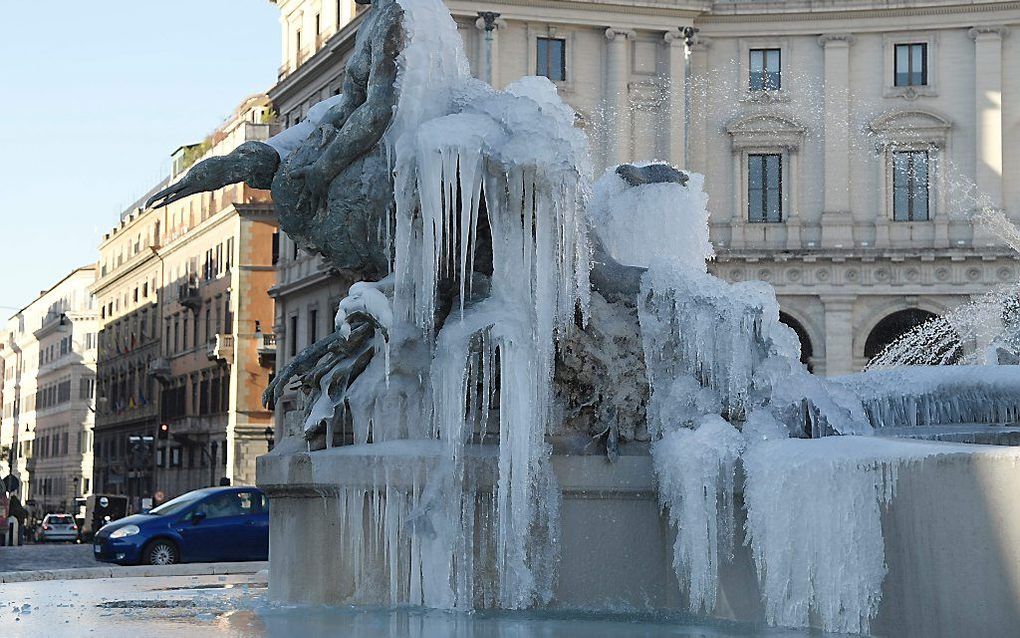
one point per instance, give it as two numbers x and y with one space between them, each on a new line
94 96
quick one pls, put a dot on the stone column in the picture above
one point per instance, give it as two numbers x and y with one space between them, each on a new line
697 155
837 221
617 102
488 23
839 334
676 98
988 110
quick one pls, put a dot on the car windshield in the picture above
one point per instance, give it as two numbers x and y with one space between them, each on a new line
59 520
176 505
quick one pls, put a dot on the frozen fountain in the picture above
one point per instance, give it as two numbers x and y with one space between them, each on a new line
536 396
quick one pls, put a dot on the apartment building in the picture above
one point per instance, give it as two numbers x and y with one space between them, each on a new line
49 368
187 331
845 149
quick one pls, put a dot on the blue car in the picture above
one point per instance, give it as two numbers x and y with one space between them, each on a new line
213 524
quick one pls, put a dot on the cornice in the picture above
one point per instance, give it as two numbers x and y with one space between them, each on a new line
872 271
134 263
750 12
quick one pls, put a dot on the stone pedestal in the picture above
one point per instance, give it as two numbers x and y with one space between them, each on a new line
952 536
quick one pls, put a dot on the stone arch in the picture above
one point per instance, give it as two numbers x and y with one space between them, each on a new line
878 313
804 331
892 327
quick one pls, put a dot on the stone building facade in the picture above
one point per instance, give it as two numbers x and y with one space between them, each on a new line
48 395
845 149
187 339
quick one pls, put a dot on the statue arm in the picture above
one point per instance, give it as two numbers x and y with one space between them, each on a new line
253 163
366 124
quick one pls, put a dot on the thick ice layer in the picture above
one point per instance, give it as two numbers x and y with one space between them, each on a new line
696 325
814 523
460 149
936 395
695 469
652 222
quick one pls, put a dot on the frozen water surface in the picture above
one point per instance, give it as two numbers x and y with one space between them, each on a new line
236 606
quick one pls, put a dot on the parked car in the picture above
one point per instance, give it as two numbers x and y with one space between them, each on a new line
207 525
58 527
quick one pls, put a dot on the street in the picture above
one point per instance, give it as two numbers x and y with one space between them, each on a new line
46 556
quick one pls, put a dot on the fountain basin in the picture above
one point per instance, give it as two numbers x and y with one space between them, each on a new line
951 530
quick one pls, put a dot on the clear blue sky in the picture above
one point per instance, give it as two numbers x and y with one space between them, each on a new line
94 96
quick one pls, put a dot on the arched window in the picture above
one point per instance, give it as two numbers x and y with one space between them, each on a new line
892 328
806 349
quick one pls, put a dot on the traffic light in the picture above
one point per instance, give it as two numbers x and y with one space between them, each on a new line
164 431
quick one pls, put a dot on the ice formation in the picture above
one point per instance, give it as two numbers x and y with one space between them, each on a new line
936 395
725 377
695 469
476 171
653 221
490 219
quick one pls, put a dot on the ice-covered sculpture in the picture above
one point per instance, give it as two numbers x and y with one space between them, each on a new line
503 299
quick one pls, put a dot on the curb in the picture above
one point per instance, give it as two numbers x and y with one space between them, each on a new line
136 571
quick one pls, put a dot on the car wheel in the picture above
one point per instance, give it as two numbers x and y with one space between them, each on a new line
161 553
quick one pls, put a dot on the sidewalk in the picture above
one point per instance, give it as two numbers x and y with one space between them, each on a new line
135 571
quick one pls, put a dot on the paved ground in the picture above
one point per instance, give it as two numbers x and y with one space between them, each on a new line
236 605
45 556
154 607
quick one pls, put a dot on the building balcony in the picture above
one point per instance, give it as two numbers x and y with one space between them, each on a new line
189 296
160 369
221 348
267 349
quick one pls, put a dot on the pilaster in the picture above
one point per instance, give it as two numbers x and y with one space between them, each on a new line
988 110
837 220
839 324
675 117
617 111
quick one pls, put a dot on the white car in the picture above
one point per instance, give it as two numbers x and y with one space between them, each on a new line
58 527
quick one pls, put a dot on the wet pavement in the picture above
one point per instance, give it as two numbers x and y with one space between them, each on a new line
134 607
45 556
236 605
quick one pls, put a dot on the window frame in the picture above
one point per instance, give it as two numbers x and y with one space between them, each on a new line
535 31
890 41
910 47
786 54
911 153
548 58
764 51
764 189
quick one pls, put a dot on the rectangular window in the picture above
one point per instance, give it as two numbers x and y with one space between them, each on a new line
766 72
292 337
313 319
765 188
552 59
175 457
910 186
911 64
